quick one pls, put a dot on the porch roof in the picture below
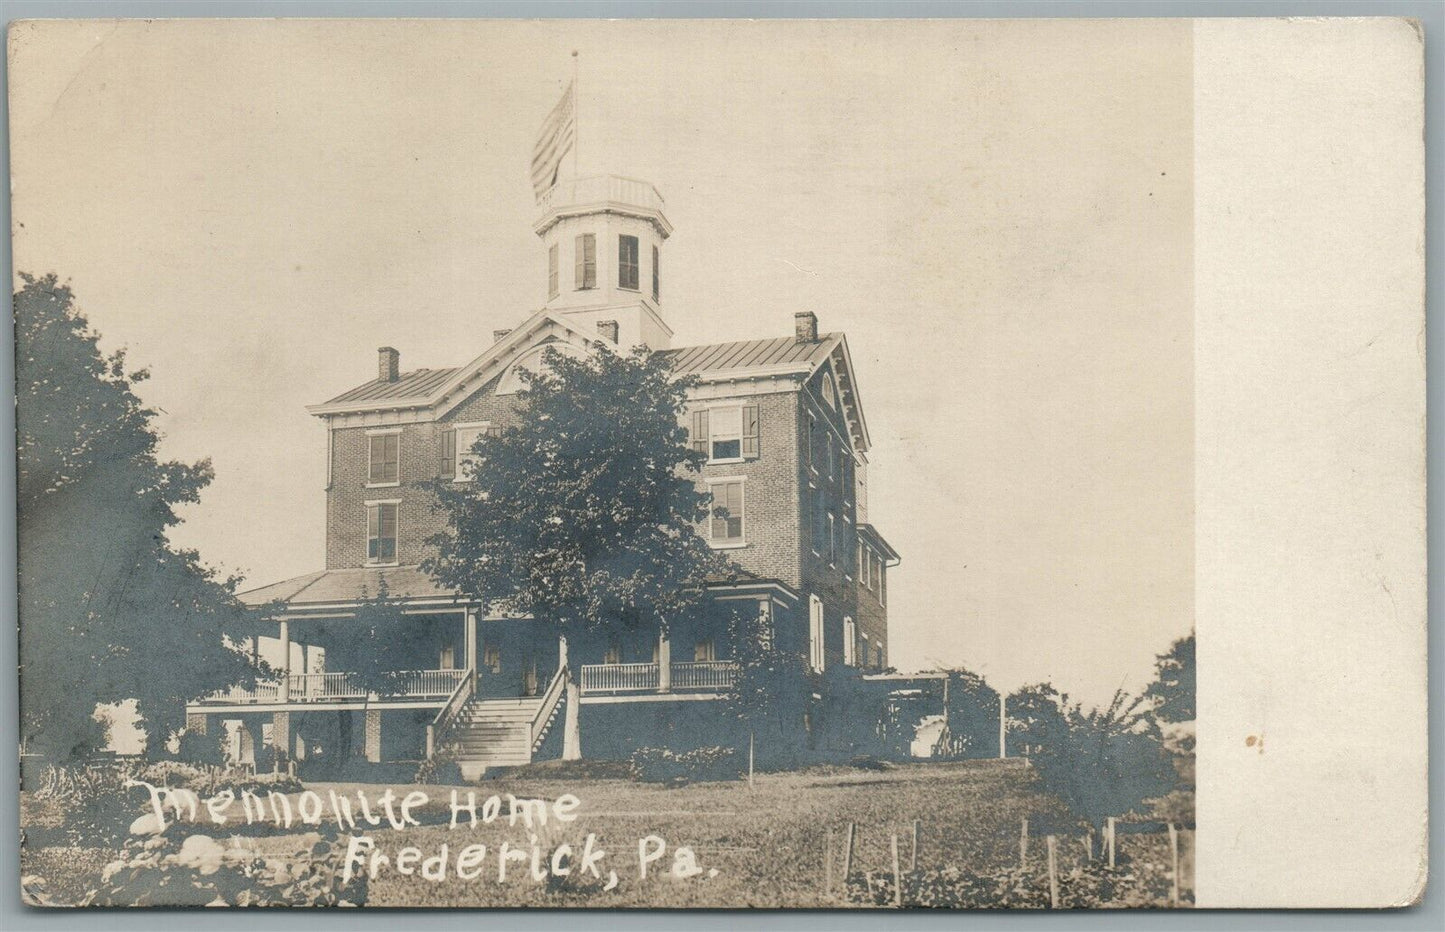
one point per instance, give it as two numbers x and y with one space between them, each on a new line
350 585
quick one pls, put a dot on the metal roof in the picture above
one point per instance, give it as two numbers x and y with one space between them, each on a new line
348 585
747 354
419 383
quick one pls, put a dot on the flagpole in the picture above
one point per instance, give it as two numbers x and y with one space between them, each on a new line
576 116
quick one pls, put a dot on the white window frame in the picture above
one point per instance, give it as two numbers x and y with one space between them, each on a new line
636 263
850 641
460 450
817 655
554 270
728 543
832 540
377 503
383 432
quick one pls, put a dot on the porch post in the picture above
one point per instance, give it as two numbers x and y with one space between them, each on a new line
470 658
373 735
664 661
285 693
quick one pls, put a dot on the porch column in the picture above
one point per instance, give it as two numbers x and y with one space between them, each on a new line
373 735
285 636
469 655
281 734
664 662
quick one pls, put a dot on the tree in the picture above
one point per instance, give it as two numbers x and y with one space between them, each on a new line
1101 762
109 608
583 512
771 694
1172 691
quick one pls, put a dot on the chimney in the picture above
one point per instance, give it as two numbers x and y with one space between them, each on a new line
388 364
608 328
498 334
805 327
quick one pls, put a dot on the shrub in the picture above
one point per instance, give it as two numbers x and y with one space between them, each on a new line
201 749
201 871
662 765
440 768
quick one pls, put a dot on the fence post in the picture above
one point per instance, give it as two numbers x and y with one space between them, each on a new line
1174 856
913 858
1053 874
897 874
848 856
1111 842
828 863
1002 727
1024 844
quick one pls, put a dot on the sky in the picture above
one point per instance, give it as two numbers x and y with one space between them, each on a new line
997 213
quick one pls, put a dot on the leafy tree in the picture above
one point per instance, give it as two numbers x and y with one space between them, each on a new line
109 608
1101 762
379 647
972 715
1172 691
583 513
772 692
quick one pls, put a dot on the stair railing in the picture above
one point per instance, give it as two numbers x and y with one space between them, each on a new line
436 732
555 690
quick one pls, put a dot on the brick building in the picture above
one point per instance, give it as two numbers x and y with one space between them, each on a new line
781 422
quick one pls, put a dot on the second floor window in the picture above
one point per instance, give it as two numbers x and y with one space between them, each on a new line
449 454
627 262
553 285
832 540
656 280
385 459
586 255
381 532
726 522
726 434
820 521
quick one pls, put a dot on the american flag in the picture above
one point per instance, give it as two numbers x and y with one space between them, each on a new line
558 136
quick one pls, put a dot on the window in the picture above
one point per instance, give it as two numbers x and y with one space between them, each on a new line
832 540
553 285
384 456
448 659
726 434
465 439
613 653
878 657
863 566
820 523
815 633
585 251
704 651
832 462
381 532
449 454
627 262
850 642
726 523
828 397
812 444
492 657
656 281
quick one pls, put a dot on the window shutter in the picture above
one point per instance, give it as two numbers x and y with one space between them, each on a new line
699 431
449 454
750 431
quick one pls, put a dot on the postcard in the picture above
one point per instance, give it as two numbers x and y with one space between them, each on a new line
970 464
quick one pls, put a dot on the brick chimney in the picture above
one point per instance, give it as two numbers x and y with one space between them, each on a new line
805 327
388 364
498 334
608 328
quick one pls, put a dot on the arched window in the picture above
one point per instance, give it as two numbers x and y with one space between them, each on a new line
828 392
532 360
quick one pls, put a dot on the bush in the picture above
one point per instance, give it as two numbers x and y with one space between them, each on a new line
439 769
662 765
201 871
201 749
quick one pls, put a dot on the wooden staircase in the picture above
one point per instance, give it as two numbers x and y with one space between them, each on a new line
502 732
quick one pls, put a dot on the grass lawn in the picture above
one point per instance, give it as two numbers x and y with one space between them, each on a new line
766 844
758 847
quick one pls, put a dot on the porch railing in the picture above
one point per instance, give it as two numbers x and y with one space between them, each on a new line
325 687
619 677
643 677
441 726
704 674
